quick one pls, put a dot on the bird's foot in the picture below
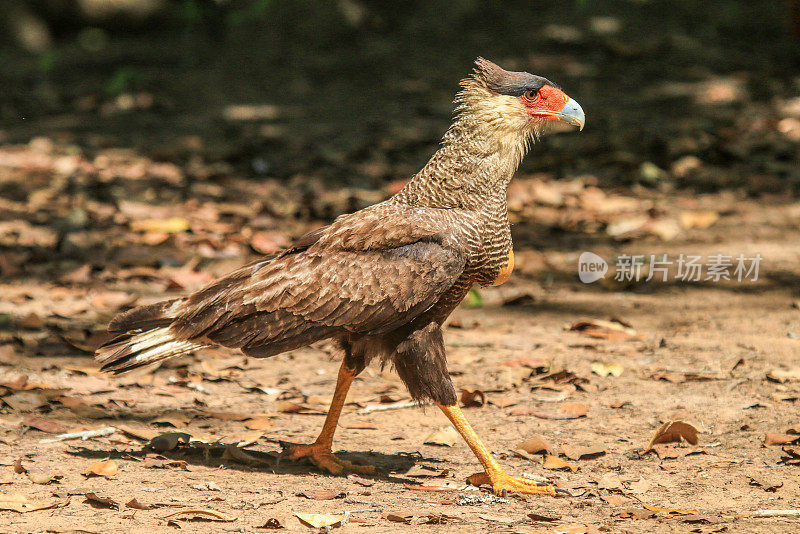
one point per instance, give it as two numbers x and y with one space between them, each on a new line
502 483
322 457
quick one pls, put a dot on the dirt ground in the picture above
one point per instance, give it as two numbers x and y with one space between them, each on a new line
204 155
710 355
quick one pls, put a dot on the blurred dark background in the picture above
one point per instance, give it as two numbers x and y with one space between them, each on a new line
191 135
358 92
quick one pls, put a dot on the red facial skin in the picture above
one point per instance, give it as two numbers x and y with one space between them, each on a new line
546 104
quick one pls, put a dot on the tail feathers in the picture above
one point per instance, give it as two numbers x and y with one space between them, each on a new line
146 317
132 350
144 337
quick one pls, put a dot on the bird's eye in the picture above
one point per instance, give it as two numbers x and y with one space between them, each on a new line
530 95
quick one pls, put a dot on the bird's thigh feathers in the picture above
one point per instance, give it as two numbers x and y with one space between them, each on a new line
421 362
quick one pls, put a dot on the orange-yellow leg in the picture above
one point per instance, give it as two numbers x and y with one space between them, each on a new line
320 452
493 474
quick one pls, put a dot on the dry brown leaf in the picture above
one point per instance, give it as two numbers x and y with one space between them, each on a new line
772 438
136 505
472 398
554 462
229 416
396 518
204 513
614 500
445 436
605 369
38 477
142 434
102 469
674 431
567 410
640 486
18 467
610 481
322 495
361 481
258 423
320 520
45 425
503 401
784 375
20 503
174 420
286 406
636 513
675 511
536 444
101 502
574 452
610 330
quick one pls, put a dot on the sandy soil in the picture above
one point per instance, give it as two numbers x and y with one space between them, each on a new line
167 158
700 353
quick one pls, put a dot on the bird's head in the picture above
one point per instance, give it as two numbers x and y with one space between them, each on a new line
512 103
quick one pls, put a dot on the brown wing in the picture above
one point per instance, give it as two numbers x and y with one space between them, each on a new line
369 273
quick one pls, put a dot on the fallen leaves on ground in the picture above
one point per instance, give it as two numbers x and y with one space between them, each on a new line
614 330
556 463
45 425
535 444
40 477
574 452
567 410
605 369
258 423
322 495
771 438
397 518
444 436
102 469
784 375
320 520
206 514
472 398
361 481
673 431
136 505
671 511
97 501
18 502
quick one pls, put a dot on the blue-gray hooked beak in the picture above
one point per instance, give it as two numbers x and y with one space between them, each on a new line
572 113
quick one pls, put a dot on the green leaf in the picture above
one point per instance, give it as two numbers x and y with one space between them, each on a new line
473 299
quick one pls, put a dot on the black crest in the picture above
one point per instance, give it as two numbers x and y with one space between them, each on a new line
505 82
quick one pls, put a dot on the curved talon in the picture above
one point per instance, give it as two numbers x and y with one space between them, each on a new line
323 458
502 482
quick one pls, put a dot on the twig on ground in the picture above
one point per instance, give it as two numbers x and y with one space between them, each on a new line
395 406
772 513
83 436
348 512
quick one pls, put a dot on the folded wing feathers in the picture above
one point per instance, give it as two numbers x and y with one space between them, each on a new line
341 281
